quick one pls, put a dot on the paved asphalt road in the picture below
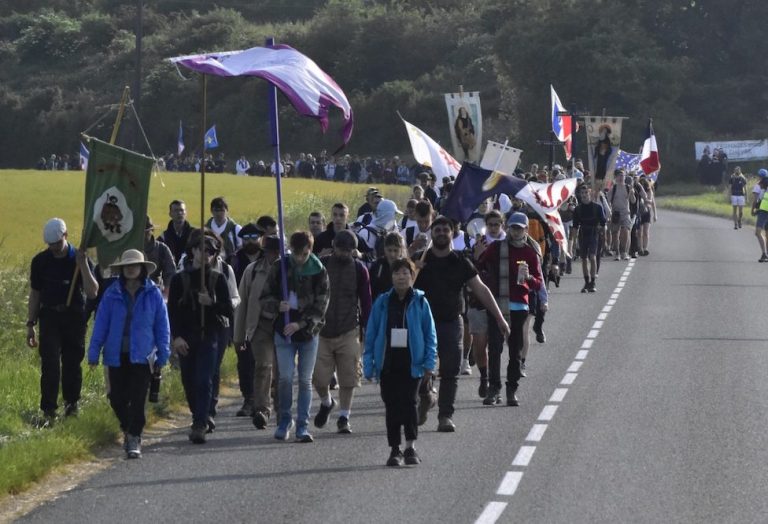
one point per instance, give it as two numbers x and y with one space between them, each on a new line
648 403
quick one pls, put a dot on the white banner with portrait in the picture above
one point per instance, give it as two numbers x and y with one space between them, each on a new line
737 150
603 140
501 158
465 118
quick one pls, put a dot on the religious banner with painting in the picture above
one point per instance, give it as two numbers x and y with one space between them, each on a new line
465 119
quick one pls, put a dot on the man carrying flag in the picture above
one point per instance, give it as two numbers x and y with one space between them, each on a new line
649 158
561 124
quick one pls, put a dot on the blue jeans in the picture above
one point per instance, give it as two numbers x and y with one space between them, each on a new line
286 362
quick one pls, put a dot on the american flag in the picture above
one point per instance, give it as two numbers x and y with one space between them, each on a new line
627 161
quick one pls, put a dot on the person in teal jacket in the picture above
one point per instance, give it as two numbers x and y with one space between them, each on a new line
132 331
400 350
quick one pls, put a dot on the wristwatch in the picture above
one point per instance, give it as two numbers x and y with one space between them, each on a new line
31 323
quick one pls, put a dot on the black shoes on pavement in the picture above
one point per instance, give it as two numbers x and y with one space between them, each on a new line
493 397
396 458
322 414
482 391
445 425
512 396
343 427
260 419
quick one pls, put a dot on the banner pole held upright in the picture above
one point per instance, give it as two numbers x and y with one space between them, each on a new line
203 257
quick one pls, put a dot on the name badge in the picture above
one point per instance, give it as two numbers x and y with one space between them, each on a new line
399 338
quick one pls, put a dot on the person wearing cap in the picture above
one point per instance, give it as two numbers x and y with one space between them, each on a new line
221 224
160 255
62 324
760 208
253 333
132 331
198 316
370 196
176 234
442 275
296 335
512 270
339 344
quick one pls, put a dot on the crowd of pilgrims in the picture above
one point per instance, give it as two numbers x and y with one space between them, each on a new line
409 299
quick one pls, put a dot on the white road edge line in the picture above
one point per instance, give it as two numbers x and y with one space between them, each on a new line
524 456
587 343
593 333
536 433
598 324
575 366
602 316
509 483
491 513
558 394
569 378
547 413
582 354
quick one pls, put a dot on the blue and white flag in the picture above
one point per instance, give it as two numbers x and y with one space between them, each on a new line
627 161
211 142
84 155
180 141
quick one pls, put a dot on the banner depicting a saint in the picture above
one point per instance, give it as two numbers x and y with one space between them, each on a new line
466 125
603 140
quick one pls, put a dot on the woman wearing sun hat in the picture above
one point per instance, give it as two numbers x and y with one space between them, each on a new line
132 330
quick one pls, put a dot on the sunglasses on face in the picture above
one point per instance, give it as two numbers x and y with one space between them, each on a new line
253 236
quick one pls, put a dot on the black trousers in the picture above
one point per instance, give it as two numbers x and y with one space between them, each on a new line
62 349
129 384
496 344
450 343
400 395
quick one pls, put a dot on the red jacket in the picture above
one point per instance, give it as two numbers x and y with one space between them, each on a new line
488 266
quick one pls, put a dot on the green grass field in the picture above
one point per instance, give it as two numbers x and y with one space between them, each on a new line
29 198
704 200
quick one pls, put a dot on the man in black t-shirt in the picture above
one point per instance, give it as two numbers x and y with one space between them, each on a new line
62 326
442 276
588 221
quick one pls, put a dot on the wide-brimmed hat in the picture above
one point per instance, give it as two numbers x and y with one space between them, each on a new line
132 257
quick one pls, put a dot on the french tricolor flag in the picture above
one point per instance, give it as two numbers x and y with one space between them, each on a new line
561 124
649 158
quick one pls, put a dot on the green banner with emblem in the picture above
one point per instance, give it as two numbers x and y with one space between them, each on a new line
116 193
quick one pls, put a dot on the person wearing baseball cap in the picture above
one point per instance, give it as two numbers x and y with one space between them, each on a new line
62 320
371 196
132 331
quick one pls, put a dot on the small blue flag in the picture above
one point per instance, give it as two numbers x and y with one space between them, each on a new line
211 142
180 142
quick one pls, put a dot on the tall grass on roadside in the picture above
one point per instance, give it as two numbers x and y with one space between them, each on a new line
706 200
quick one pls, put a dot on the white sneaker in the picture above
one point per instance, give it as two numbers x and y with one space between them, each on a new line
466 369
626 256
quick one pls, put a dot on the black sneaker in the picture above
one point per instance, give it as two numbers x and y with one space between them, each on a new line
541 338
445 425
197 435
763 258
396 458
411 457
321 419
246 410
70 410
260 419
493 397
343 426
585 288
482 391
511 396
592 287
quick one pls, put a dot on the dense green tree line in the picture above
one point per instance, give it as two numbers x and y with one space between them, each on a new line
698 67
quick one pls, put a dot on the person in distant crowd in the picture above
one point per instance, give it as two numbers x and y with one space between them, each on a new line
513 270
161 257
620 196
403 174
40 165
296 336
260 169
62 324
738 183
401 351
760 209
381 269
242 166
442 276
225 227
588 220
253 333
132 330
339 344
176 234
196 336
316 223
330 169
417 237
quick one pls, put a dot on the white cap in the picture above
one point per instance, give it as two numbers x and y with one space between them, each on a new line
54 230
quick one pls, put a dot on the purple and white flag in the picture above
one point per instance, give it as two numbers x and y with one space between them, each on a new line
310 90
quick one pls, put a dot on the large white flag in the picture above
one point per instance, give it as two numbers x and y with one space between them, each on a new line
429 153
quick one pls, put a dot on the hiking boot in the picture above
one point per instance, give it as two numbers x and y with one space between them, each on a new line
343 426
411 457
71 410
445 425
197 435
246 410
493 397
303 436
396 458
260 419
283 431
321 419
482 391
512 396
133 446
466 369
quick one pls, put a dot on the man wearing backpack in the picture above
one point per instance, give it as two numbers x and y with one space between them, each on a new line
620 196
339 345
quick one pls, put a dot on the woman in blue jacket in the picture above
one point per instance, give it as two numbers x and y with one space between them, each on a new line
400 349
132 329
